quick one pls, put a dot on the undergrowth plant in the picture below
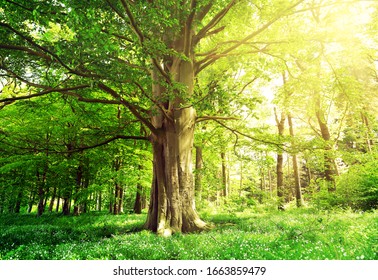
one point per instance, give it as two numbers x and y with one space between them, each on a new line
298 234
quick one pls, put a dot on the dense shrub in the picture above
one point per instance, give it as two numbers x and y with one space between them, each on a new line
358 188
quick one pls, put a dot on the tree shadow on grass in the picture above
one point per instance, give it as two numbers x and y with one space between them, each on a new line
54 229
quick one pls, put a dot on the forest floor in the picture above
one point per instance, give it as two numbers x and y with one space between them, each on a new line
302 234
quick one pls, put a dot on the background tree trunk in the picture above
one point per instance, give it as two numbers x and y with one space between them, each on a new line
57 202
41 181
67 204
17 207
138 199
298 190
369 138
330 170
53 196
279 167
224 175
198 174
99 201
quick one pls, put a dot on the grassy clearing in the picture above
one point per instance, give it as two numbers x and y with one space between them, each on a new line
294 234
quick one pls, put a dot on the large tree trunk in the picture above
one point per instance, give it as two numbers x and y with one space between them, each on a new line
172 205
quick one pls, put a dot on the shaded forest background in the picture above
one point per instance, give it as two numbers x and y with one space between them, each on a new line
289 119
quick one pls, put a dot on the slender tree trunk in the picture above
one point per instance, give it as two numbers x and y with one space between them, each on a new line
330 170
241 178
57 202
41 181
262 184
270 182
298 190
85 185
66 206
120 200
78 188
53 196
279 167
111 198
46 199
118 190
17 207
31 201
2 200
224 175
138 199
99 201
369 140
116 199
198 174
116 194
309 172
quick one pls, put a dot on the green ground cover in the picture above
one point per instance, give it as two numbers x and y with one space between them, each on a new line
295 234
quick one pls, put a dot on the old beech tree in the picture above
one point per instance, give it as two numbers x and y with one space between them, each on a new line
143 55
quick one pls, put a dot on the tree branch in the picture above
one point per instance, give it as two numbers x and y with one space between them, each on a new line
235 131
18 77
82 148
92 100
53 55
188 28
131 65
116 10
211 58
76 150
250 36
118 36
134 25
25 49
159 106
32 9
44 92
204 11
161 70
212 118
220 29
133 109
213 22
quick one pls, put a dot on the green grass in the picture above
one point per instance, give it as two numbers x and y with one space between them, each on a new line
294 234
